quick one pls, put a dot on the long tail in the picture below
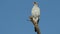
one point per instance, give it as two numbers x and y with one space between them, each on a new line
35 29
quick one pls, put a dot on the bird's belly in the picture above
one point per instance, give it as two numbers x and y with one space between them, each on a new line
35 13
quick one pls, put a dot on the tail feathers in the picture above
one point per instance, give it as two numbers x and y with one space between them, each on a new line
35 29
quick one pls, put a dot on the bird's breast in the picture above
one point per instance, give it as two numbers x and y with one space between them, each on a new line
35 11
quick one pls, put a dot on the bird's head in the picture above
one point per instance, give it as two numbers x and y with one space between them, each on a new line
35 3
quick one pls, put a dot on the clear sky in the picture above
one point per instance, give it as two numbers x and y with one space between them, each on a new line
14 16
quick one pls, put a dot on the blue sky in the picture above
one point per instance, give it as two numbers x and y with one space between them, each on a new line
15 13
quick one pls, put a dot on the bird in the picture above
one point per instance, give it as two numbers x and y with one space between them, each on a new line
35 13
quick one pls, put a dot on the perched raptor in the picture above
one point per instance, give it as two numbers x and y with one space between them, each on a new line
35 13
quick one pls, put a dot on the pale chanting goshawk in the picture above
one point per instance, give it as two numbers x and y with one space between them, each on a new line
35 13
